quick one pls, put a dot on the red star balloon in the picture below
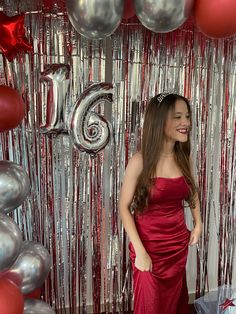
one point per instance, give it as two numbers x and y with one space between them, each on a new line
227 303
12 35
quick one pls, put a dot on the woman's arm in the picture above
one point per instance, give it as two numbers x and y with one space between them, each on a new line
196 214
197 230
133 170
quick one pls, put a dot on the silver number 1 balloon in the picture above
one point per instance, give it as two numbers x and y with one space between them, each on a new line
57 76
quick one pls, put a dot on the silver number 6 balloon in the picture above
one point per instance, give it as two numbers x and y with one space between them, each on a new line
90 131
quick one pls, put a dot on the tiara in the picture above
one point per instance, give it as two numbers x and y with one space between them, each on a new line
162 96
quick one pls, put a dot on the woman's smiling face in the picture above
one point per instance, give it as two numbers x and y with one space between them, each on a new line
178 123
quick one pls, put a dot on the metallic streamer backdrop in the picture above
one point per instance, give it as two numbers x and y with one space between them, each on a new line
73 206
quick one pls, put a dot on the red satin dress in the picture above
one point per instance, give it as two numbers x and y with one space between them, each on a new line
165 237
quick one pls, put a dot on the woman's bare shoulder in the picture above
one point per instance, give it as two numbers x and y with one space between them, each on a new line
137 157
136 163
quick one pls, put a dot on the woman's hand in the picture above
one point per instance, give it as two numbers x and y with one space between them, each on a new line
143 262
195 235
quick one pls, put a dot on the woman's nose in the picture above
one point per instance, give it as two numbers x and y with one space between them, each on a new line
185 121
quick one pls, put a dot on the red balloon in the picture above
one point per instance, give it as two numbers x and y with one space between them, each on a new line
12 108
12 35
13 277
129 10
36 294
11 298
215 18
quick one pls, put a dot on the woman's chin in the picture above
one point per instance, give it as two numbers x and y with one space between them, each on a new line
182 139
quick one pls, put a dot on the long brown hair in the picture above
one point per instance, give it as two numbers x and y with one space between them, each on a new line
152 143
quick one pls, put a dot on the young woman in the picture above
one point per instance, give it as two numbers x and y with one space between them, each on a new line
157 182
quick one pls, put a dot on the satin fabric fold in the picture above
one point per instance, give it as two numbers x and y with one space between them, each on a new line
165 237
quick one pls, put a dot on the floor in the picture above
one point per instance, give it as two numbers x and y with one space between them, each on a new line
191 310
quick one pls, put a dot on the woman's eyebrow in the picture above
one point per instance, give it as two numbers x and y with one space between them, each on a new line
177 112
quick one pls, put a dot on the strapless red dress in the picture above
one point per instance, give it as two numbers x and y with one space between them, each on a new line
165 237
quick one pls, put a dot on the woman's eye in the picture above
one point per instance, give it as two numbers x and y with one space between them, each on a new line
177 117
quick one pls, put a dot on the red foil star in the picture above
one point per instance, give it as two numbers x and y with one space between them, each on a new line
12 35
227 303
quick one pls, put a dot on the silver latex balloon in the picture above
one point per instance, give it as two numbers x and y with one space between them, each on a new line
57 76
10 242
95 19
90 131
32 265
162 16
14 185
32 306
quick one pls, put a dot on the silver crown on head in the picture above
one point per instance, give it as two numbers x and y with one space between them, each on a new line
162 96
